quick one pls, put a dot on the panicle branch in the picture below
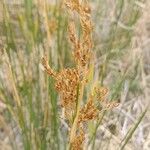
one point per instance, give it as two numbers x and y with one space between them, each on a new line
70 83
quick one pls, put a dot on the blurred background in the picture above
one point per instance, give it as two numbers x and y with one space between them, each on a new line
29 104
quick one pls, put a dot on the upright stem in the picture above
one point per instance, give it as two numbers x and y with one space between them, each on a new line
74 126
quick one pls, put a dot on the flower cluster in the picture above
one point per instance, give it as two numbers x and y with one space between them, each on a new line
82 48
70 82
88 111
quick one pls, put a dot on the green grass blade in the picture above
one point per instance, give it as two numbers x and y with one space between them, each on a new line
132 130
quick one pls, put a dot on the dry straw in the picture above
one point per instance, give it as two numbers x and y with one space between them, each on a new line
70 83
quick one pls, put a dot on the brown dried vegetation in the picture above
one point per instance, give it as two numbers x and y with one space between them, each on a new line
70 83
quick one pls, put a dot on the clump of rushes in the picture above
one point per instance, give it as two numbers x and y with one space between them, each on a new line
70 83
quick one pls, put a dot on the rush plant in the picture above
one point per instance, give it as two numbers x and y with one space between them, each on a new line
71 83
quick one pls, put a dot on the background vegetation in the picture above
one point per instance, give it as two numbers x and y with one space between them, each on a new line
29 105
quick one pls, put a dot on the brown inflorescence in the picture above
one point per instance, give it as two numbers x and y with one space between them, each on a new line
70 83
88 112
101 93
101 96
78 140
66 84
82 48
47 68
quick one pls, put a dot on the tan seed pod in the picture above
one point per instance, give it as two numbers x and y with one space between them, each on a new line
101 93
88 112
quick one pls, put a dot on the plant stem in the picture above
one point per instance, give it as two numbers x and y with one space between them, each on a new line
80 96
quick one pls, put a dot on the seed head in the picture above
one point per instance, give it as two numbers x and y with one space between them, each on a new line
101 93
88 112
78 140
82 48
47 68
66 84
